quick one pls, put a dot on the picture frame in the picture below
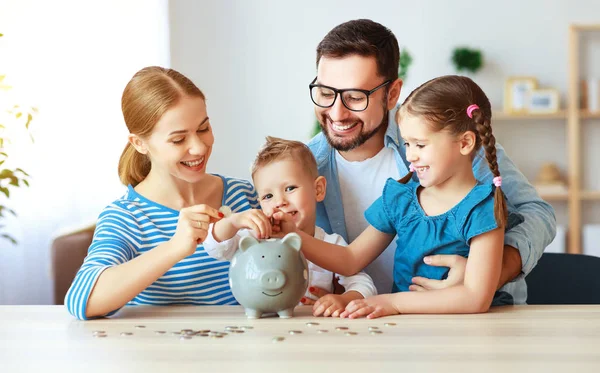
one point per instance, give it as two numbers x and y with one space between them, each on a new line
543 101
516 93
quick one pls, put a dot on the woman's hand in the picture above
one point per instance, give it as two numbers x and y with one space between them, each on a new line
192 227
372 307
456 275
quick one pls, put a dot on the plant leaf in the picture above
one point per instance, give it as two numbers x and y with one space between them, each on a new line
21 171
25 182
18 115
5 191
6 236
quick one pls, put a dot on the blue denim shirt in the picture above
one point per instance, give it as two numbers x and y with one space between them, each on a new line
530 237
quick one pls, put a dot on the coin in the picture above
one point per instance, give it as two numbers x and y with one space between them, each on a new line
350 333
140 326
312 323
375 332
321 331
247 327
125 334
292 332
278 339
340 328
390 324
185 336
373 328
225 210
159 332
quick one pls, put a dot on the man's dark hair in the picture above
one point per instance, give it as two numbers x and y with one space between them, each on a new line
365 38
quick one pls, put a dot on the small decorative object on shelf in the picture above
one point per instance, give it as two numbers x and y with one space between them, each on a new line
543 101
549 181
516 93
590 95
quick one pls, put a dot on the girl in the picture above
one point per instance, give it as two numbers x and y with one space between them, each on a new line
146 244
443 123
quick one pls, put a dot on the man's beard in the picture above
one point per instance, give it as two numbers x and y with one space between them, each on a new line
358 140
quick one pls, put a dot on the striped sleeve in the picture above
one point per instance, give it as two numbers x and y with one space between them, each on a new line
240 195
115 241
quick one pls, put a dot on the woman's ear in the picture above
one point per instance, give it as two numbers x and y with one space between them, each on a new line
137 143
320 188
394 93
467 142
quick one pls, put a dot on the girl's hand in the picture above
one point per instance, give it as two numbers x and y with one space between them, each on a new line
330 305
317 292
283 224
254 219
192 227
372 307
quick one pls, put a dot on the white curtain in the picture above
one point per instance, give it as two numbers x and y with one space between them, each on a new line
71 60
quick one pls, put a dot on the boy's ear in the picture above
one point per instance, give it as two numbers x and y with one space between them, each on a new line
467 142
320 188
137 143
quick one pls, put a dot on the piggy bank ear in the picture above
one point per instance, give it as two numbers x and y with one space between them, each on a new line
293 240
247 242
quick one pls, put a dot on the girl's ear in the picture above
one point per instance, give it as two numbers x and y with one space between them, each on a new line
467 142
137 143
394 93
320 188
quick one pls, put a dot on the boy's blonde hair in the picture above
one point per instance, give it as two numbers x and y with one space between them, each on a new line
276 149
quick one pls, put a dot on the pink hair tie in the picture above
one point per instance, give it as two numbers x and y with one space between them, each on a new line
411 168
470 110
497 181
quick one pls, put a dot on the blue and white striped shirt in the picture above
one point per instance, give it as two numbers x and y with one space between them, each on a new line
133 225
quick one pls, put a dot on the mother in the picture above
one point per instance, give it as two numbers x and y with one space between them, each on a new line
146 245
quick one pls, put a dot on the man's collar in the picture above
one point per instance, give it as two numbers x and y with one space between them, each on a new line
393 132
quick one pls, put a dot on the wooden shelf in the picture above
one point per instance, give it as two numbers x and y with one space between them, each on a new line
590 195
529 116
587 115
585 27
562 114
554 196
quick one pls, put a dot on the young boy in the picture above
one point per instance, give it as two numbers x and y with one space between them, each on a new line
286 179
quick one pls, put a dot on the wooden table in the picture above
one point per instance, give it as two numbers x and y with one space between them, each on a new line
523 338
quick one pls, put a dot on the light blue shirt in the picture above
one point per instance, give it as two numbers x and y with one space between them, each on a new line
530 237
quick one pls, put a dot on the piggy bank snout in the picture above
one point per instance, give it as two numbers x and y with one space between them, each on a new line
272 280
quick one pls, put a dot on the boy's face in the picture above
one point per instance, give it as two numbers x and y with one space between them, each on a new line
284 185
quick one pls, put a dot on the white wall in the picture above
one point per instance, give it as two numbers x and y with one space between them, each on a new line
72 60
254 60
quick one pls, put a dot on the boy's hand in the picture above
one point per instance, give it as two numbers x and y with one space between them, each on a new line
282 224
254 220
372 307
334 304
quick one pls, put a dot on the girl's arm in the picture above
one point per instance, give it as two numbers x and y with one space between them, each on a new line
475 295
349 260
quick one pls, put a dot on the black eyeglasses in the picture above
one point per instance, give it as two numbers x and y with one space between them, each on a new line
353 99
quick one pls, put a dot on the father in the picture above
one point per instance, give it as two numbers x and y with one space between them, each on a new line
360 147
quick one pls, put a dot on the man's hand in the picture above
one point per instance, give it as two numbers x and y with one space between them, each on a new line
456 275
511 268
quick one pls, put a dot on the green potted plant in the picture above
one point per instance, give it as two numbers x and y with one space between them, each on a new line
467 59
11 177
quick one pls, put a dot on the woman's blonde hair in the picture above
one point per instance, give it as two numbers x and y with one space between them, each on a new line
149 94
